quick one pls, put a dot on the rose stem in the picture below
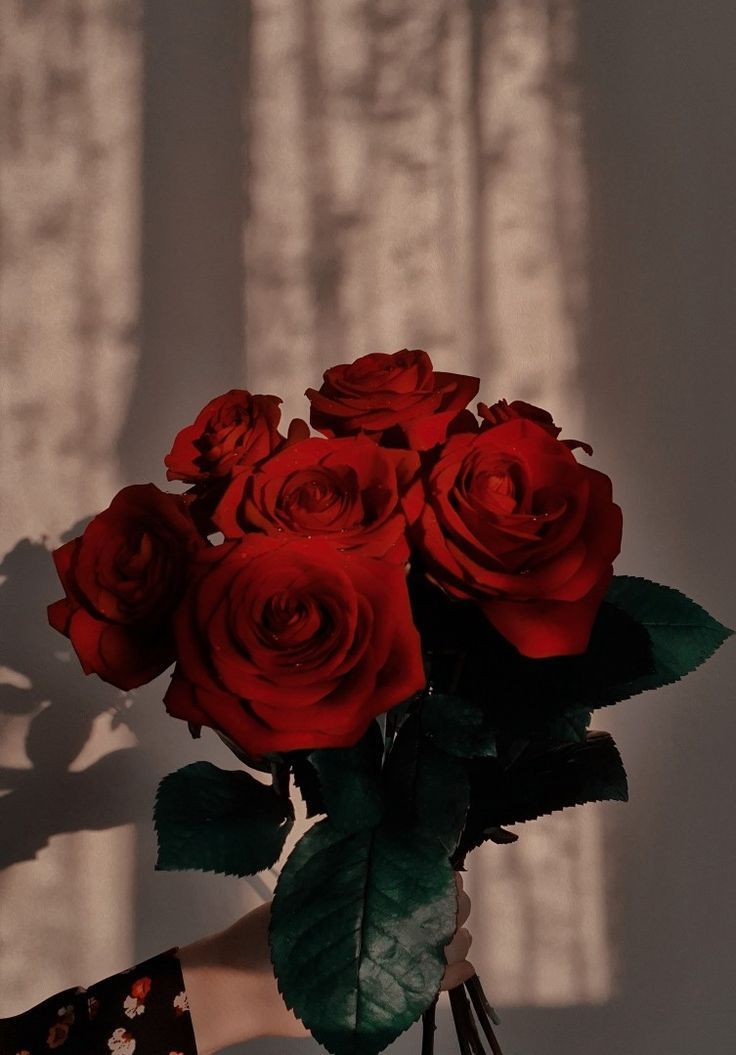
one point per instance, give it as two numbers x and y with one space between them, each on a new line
280 779
461 1023
485 1022
428 1028
475 1042
474 987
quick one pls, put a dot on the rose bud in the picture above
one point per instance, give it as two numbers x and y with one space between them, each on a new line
233 431
508 518
345 491
398 400
123 577
290 644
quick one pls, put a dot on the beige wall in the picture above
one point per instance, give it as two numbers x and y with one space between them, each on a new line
195 196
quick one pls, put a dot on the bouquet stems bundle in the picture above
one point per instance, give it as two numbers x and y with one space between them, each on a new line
411 618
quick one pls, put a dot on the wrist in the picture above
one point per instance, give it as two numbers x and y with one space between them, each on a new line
233 996
223 1002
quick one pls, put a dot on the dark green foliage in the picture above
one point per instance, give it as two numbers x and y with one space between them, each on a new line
645 636
457 726
349 781
307 780
682 634
425 787
217 820
358 928
541 781
533 699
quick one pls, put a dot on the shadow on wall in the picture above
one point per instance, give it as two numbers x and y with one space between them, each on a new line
52 796
67 787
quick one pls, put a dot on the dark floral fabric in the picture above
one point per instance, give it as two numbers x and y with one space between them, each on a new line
141 1011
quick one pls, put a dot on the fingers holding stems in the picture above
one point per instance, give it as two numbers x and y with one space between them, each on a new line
459 969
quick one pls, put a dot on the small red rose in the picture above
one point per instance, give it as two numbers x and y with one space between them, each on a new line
345 491
291 644
233 431
123 578
508 518
397 399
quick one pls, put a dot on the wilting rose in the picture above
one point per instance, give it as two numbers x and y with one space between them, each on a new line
291 644
233 431
345 491
508 518
123 578
398 399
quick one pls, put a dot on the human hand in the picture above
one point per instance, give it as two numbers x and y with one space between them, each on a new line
459 969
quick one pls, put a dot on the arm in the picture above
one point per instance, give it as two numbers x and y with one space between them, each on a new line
196 1000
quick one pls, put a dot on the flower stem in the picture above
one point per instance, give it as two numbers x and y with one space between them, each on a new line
461 1025
476 1043
484 1012
477 994
280 778
428 1028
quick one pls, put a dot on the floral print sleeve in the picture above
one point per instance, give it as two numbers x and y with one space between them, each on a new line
142 1011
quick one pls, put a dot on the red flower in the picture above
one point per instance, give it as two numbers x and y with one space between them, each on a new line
508 518
122 578
291 644
345 491
502 411
233 431
398 399
141 988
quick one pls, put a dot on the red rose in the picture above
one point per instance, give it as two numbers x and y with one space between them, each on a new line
508 518
291 644
232 431
502 411
344 490
123 577
398 399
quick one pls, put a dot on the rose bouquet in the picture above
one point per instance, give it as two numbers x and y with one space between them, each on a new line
412 616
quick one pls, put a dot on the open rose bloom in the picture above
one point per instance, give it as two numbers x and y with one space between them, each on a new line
411 613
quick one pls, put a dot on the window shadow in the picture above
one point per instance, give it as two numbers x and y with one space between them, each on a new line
192 328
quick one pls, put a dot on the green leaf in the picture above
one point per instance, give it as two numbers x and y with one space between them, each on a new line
359 923
569 727
425 787
682 634
219 820
306 779
543 781
349 781
458 726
